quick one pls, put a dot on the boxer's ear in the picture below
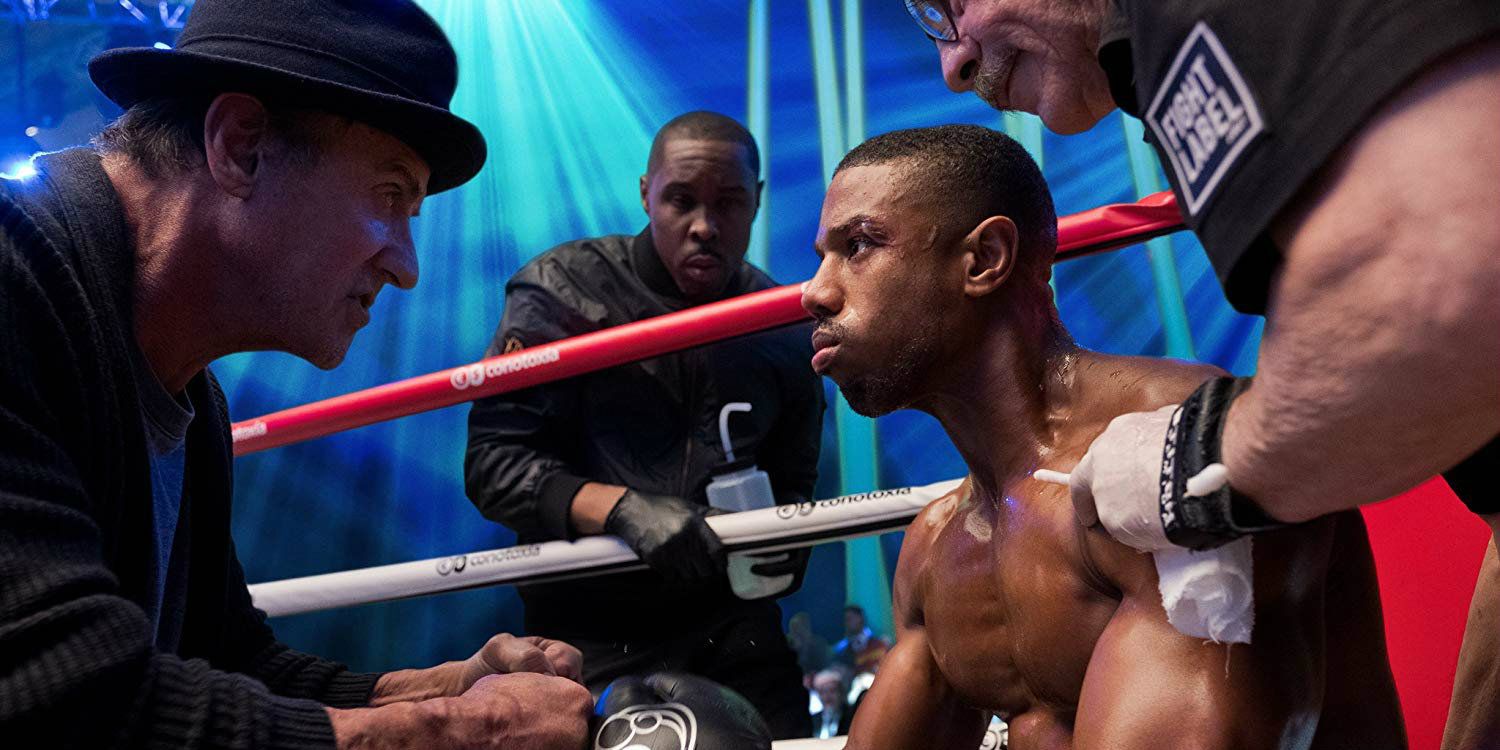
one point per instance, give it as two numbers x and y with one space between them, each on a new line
236 129
989 255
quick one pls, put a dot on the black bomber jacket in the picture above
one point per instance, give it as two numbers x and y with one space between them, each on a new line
651 425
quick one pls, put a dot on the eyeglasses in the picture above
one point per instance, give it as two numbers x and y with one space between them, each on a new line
934 18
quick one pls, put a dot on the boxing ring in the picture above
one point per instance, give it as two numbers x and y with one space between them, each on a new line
1405 577
768 530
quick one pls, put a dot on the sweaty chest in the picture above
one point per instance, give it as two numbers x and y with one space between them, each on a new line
1009 617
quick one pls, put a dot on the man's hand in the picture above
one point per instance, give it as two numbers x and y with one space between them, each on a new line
520 711
508 654
1118 482
502 654
670 535
535 712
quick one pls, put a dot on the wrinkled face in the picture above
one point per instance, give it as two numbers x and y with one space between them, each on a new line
701 197
885 291
321 241
1037 56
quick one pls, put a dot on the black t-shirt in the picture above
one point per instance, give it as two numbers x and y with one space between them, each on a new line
1244 101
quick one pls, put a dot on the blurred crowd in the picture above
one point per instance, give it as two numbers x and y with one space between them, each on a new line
836 676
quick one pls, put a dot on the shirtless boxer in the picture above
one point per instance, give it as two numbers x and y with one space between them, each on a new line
932 294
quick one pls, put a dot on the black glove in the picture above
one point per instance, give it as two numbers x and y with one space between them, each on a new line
676 711
670 535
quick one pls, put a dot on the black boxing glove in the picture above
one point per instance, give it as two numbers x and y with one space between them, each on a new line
670 535
676 711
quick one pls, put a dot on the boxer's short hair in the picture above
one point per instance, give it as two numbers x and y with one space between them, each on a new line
980 173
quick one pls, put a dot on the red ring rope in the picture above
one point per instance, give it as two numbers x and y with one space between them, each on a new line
1093 231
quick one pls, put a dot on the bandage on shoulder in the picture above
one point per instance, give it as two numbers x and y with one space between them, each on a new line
1193 442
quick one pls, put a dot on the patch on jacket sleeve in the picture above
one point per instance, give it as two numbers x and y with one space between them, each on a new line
1203 116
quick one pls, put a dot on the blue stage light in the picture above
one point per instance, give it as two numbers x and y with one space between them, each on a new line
19 169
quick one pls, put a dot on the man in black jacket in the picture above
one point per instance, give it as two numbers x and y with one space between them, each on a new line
255 195
629 451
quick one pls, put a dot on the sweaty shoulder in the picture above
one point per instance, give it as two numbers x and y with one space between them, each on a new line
920 535
1145 383
1119 385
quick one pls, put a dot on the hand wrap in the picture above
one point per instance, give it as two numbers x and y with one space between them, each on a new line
1199 509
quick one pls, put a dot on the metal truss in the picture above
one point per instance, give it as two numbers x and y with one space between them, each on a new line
159 14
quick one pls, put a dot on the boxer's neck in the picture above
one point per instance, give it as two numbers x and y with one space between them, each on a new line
1002 401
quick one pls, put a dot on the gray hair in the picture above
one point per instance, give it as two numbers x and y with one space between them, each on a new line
164 135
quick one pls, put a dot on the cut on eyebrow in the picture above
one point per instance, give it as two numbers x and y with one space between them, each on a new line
853 222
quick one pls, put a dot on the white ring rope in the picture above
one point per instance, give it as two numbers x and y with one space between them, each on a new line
996 737
765 530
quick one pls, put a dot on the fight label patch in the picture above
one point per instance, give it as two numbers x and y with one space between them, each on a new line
1203 116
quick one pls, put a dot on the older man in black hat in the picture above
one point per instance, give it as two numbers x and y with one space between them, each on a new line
256 194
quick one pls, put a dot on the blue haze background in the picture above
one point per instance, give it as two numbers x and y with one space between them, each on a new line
569 94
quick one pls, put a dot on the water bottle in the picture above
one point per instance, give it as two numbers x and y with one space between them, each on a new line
740 486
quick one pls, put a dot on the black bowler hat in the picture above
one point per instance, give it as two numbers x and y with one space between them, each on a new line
382 62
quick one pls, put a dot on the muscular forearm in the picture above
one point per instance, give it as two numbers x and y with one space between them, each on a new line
1363 391
1361 432
1382 347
